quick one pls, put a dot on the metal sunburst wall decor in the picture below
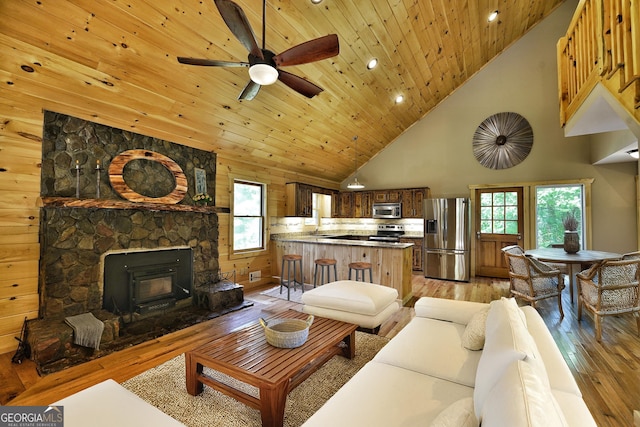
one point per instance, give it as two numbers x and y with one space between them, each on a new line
502 140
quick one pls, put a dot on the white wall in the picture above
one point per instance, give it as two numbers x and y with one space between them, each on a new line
437 150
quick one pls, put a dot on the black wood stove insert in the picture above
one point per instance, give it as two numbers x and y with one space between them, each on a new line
146 281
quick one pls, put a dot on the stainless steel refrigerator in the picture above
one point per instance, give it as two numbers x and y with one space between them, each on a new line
447 240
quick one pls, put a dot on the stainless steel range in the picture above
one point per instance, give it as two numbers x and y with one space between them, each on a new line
388 233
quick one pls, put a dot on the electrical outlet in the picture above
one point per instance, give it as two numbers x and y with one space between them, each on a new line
254 276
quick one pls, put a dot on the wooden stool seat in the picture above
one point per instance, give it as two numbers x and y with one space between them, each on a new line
360 268
325 264
295 261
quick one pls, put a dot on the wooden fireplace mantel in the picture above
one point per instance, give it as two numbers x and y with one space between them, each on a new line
71 202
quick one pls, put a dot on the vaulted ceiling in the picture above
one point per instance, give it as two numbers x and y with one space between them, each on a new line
115 61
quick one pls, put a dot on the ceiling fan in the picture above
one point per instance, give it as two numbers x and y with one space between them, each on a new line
262 63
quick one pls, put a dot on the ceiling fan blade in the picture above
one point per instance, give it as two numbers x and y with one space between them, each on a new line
311 51
210 62
250 91
299 84
239 25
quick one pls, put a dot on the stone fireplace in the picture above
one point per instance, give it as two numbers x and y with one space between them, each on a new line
158 255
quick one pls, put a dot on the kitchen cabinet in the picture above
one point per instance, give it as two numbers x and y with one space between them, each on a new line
299 199
362 204
417 261
387 196
345 205
342 205
358 204
412 201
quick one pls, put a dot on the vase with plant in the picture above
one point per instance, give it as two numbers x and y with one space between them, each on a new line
202 199
571 236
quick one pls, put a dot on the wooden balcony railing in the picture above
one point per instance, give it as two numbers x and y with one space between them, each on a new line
602 45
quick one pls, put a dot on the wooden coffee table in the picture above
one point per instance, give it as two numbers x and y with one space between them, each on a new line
246 356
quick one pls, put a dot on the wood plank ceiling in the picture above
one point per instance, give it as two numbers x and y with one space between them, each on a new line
115 61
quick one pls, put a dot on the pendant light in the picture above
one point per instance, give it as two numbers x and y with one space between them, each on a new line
355 185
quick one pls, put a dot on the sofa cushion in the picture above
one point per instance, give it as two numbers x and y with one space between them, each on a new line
575 409
432 347
473 336
448 310
520 398
505 342
558 373
381 395
458 414
108 404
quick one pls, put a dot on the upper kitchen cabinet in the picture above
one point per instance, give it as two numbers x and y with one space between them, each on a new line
299 198
342 204
387 196
362 204
412 201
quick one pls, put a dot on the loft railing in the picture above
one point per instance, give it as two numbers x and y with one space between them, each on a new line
602 44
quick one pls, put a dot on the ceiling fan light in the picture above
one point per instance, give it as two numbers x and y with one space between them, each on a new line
633 153
263 74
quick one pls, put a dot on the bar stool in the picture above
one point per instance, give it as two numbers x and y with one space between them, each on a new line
325 264
360 268
294 261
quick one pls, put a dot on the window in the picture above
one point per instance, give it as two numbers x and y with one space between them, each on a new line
499 212
553 202
321 208
248 215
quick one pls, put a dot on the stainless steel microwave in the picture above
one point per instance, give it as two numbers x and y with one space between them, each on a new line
387 210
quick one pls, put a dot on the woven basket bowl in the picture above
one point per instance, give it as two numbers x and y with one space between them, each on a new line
286 333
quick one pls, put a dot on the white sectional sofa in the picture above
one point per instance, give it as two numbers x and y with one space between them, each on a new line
428 375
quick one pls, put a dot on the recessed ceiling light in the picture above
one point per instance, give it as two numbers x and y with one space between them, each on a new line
373 62
493 15
399 99
316 1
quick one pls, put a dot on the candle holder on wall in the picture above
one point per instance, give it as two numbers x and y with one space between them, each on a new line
78 171
98 169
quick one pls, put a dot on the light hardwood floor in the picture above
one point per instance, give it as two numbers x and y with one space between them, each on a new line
607 372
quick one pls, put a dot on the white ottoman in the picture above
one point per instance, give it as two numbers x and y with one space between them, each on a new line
364 304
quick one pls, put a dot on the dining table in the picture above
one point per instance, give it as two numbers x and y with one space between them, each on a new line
560 256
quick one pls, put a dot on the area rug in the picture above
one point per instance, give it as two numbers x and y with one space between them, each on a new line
164 388
296 295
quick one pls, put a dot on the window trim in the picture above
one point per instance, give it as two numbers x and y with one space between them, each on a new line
585 223
244 253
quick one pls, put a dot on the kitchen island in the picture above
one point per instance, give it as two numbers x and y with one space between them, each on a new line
391 261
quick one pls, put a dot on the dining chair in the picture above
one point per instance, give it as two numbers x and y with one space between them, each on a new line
532 280
609 288
631 255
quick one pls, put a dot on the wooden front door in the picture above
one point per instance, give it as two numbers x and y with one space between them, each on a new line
499 223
